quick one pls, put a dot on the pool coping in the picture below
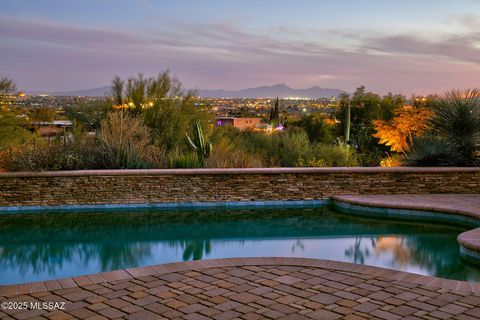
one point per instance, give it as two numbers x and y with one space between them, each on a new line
160 269
469 241
283 170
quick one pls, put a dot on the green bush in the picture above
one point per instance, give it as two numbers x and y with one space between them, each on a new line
288 148
430 151
186 160
317 127
322 155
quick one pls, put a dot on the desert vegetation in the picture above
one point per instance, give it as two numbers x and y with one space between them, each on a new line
156 123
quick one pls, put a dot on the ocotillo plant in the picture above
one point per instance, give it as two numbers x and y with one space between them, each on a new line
202 147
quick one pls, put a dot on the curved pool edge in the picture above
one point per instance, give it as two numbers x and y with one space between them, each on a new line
162 269
372 206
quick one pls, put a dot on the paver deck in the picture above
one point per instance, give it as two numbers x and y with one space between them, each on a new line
468 204
253 288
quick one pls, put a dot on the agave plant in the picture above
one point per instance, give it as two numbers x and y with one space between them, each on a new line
457 123
428 151
202 147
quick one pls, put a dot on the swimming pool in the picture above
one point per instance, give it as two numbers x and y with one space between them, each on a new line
51 245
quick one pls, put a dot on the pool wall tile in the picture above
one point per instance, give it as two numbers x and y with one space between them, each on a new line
168 205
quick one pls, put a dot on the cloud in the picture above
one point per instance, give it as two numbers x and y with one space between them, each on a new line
458 48
230 55
469 21
59 34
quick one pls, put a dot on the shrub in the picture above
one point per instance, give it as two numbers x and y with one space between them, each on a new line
312 162
124 142
430 151
185 160
41 155
391 161
321 155
288 149
232 155
279 149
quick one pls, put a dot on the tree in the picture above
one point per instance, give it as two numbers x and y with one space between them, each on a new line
399 132
364 108
317 128
42 114
13 127
7 86
117 91
87 116
167 109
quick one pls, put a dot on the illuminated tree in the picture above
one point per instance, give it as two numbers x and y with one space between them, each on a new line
399 132
364 107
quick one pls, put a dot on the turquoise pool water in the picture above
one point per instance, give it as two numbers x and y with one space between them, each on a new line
41 246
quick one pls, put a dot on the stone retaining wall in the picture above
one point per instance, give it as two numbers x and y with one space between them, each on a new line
218 185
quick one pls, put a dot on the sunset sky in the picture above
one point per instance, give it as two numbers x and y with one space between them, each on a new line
409 46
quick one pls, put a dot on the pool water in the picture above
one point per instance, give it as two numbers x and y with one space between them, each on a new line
42 246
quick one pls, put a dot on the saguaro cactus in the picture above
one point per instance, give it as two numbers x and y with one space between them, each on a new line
202 147
348 124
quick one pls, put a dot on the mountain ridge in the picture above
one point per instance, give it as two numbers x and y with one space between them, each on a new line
280 90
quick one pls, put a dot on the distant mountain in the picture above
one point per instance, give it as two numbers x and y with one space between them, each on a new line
279 90
95 92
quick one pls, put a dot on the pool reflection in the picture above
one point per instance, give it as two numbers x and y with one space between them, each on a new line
53 245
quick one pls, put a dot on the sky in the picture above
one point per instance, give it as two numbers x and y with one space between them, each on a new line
408 46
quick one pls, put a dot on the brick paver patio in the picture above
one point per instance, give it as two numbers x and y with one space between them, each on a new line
251 288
